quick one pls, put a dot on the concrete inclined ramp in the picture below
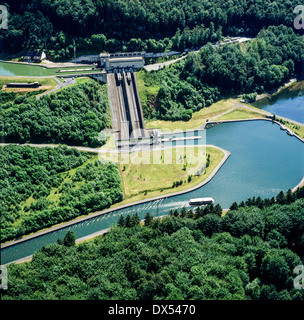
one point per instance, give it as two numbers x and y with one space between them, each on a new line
126 109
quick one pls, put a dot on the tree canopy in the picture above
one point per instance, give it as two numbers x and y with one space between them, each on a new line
265 63
176 257
72 116
41 187
120 25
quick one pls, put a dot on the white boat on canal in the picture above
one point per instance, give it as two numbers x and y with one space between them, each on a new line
201 201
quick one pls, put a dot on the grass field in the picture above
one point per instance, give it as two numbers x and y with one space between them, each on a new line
197 120
147 87
146 180
297 129
47 84
240 114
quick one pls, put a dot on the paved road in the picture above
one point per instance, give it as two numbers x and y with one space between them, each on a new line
60 85
67 82
158 66
239 105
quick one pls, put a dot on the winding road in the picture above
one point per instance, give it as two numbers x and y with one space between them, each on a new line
158 66
60 85
66 82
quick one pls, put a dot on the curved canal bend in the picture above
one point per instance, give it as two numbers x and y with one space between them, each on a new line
263 161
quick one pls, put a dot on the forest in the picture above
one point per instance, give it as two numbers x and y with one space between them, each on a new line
248 254
265 63
41 187
123 25
74 116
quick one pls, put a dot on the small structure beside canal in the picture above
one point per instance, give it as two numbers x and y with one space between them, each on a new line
23 85
34 55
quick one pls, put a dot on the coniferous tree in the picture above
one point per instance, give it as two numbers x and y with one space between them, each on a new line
183 212
218 209
148 219
128 222
69 239
197 213
206 210
176 213
121 221
189 214
280 198
290 197
135 221
234 206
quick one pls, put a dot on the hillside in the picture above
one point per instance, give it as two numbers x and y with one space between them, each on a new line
123 25
41 187
250 253
261 65
73 116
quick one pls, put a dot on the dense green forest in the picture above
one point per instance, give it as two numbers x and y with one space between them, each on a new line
41 187
248 254
72 116
265 63
121 25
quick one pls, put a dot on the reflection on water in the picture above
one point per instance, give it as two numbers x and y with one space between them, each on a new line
288 104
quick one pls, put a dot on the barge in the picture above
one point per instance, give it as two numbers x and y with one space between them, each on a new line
201 201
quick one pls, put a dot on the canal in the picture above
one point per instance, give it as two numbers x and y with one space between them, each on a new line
14 69
17 69
263 161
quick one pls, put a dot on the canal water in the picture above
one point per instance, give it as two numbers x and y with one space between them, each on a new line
14 69
263 161
288 104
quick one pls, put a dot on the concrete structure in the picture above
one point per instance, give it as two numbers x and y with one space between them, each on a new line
23 85
134 60
124 62
90 58
127 117
111 61
126 109
101 76
161 54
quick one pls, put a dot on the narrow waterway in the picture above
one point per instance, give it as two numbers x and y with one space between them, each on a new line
263 161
